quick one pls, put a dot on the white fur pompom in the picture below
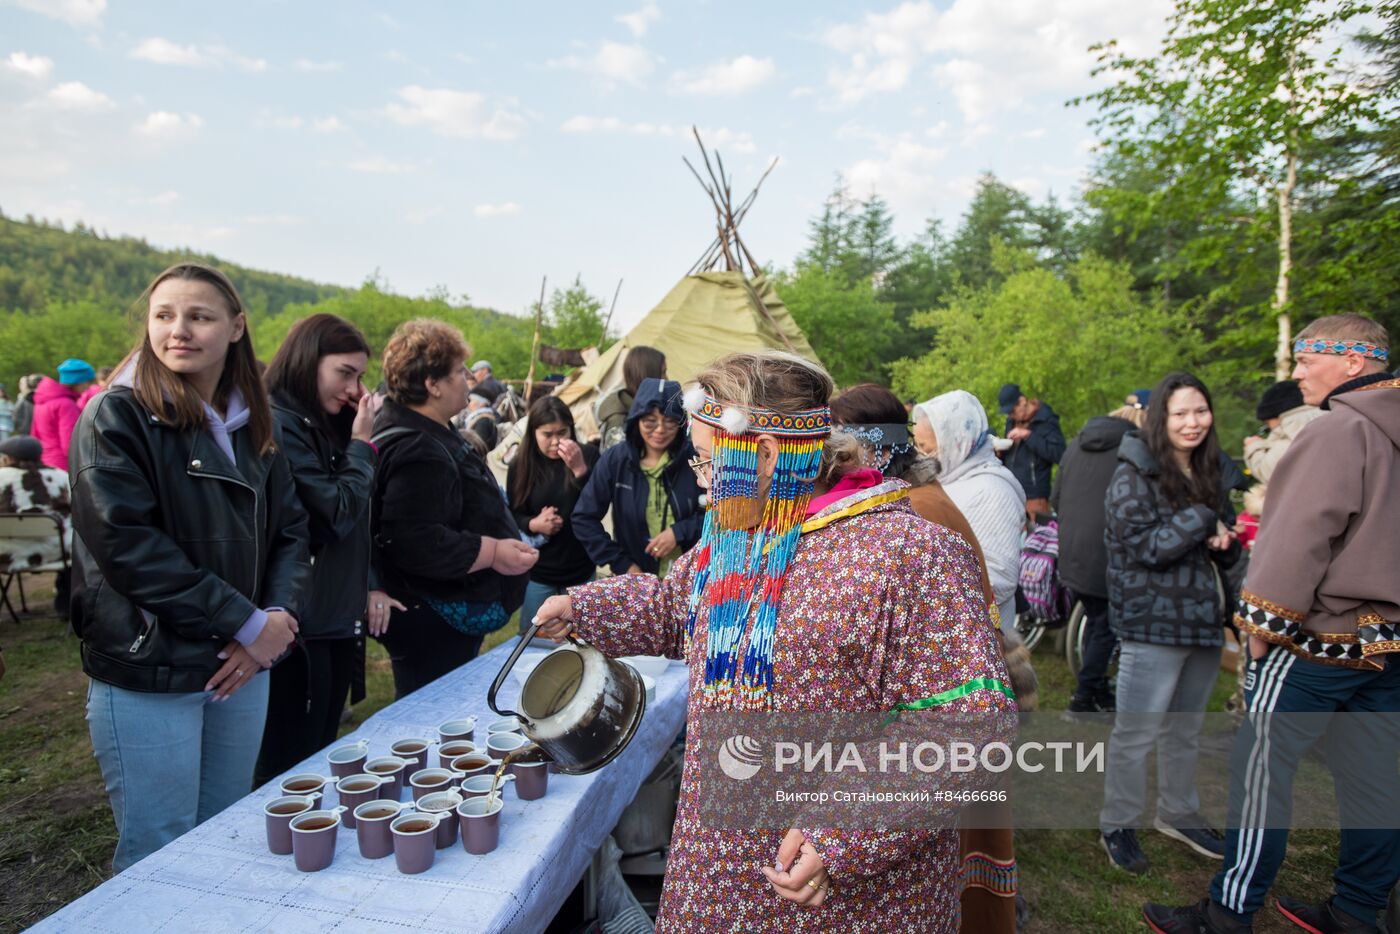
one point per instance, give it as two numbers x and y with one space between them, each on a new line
693 399
735 420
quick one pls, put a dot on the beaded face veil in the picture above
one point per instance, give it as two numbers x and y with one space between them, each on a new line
749 540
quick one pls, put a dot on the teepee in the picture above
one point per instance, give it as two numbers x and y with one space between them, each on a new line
724 304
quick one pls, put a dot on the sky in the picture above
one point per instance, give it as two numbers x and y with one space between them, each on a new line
479 147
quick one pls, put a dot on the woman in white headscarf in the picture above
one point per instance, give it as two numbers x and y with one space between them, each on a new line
953 428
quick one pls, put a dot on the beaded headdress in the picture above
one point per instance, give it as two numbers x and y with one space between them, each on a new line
1323 345
747 544
883 442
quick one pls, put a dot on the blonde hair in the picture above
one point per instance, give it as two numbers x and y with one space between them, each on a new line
841 454
771 379
1130 413
1347 327
420 350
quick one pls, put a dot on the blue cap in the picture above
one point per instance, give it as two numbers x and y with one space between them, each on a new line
72 371
1140 397
1007 398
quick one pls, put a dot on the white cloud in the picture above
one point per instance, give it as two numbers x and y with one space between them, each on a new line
306 64
905 173
72 12
378 165
990 54
35 66
613 62
285 123
163 124
720 137
454 113
161 51
504 209
735 76
74 95
327 125
274 220
639 21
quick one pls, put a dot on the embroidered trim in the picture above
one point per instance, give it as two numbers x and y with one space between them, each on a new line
811 423
1254 600
962 690
854 509
982 871
1323 345
1374 636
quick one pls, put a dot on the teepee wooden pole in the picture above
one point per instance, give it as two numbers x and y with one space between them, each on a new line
535 341
611 308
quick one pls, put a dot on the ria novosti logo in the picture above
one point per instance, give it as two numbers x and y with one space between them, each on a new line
740 757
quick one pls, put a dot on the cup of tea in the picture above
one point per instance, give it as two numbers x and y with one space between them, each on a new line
499 744
413 749
451 750
304 783
372 820
348 759
531 779
355 790
427 781
480 819
463 728
313 838
503 725
479 785
442 802
415 840
391 767
473 764
278 814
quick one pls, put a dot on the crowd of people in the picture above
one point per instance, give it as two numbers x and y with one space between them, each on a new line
238 531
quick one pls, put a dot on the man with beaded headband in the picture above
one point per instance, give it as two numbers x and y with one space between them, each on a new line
812 590
1321 607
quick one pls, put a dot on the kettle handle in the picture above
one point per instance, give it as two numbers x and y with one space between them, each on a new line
505 670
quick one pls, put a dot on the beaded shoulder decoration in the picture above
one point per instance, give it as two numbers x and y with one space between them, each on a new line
748 542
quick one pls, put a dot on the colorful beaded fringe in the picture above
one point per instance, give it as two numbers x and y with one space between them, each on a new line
743 559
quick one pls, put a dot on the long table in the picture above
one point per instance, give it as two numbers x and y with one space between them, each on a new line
221 877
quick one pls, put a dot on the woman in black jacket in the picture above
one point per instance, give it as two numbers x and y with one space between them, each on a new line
543 483
446 546
325 418
1168 531
189 561
655 501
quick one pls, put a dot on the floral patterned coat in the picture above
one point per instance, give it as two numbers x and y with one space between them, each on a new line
880 609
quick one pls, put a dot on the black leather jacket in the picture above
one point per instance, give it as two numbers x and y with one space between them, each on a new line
165 523
335 487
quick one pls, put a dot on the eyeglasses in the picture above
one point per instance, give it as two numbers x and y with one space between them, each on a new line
697 464
665 424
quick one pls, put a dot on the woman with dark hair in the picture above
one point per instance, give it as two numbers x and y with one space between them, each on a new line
326 418
653 494
641 363
189 562
446 546
1168 535
543 484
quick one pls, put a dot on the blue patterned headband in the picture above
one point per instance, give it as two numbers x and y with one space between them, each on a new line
877 436
1322 345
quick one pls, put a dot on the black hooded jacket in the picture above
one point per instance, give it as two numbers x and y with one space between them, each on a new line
1078 497
618 483
1033 460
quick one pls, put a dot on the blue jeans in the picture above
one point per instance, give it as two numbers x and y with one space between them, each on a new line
171 761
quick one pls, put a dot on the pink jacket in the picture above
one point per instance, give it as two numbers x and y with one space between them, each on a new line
55 414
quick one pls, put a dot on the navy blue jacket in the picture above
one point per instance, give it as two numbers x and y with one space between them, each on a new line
1032 460
617 481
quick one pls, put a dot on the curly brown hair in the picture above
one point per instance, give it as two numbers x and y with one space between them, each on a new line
420 350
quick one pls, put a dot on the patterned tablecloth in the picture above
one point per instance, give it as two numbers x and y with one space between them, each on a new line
221 877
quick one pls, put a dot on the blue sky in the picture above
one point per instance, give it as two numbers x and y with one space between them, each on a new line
480 146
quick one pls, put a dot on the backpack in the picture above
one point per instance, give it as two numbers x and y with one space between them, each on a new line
1048 599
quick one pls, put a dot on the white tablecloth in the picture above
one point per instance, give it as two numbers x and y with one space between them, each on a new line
221 877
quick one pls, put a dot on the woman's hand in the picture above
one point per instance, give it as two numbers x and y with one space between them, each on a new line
1222 538
572 456
377 610
548 522
635 569
1258 648
237 670
805 881
513 557
662 545
555 617
362 429
274 639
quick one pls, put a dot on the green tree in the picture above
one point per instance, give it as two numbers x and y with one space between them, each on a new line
574 318
38 341
850 328
1238 95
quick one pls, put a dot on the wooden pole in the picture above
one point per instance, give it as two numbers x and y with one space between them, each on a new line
611 308
535 341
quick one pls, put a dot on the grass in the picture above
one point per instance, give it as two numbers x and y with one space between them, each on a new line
57 837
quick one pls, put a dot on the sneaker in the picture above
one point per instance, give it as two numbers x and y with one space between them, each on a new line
1107 701
1204 840
1323 919
1123 851
1200 918
1083 708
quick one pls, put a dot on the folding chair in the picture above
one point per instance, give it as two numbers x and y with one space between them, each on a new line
39 527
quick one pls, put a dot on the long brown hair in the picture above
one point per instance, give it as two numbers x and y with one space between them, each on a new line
295 366
1203 484
530 462
165 394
